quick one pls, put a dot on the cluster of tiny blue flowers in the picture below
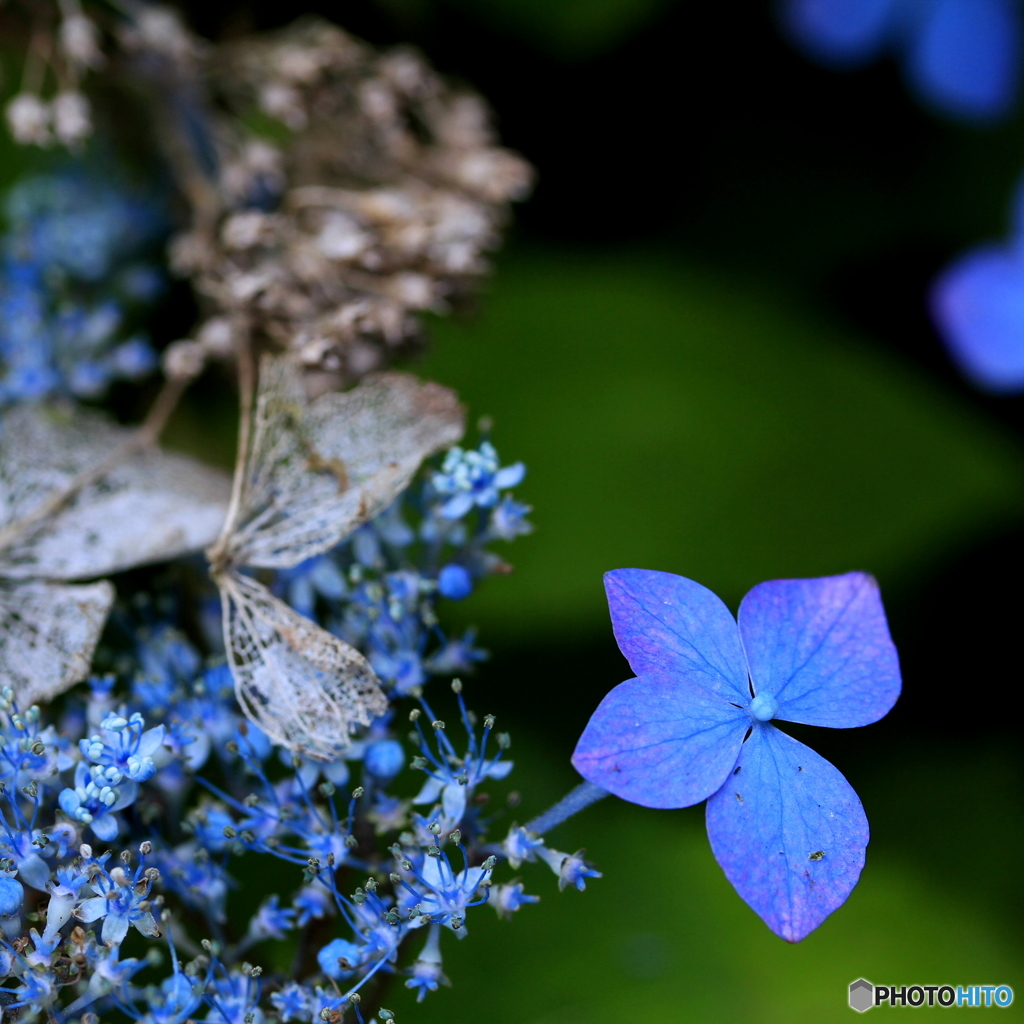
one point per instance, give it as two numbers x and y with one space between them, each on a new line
131 811
74 278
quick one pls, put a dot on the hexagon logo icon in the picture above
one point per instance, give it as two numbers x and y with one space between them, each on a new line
862 995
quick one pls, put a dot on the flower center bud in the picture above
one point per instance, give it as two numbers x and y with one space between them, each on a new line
764 707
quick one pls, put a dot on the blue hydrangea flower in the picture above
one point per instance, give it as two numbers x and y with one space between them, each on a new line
98 795
471 478
293 1002
977 304
127 746
233 999
443 894
697 723
175 1001
270 921
509 897
961 57
121 901
312 901
339 958
508 519
425 973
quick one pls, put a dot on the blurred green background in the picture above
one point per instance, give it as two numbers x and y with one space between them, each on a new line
706 337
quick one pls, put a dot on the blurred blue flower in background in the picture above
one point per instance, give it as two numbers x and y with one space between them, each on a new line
961 58
977 303
786 827
73 277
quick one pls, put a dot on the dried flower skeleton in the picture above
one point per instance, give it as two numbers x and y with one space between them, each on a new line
66 517
312 473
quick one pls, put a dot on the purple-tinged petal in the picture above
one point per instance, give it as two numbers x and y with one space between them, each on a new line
821 648
659 743
965 58
669 625
977 304
789 833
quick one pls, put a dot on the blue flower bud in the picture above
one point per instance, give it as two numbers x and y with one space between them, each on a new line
12 895
384 759
454 582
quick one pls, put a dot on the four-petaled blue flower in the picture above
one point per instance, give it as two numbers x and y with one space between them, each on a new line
697 723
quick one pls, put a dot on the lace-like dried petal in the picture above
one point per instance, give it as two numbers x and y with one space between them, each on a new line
317 471
302 686
48 632
151 507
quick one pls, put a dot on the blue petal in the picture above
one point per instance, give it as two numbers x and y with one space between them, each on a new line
34 870
104 827
661 742
669 625
978 306
789 833
964 61
115 928
838 32
821 648
457 506
127 793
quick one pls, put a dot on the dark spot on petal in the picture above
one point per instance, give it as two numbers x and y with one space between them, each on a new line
817 855
737 769
738 797
747 737
798 768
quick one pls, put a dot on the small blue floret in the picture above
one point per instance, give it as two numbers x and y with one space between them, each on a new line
335 955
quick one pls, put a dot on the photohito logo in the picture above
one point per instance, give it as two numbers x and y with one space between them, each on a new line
864 995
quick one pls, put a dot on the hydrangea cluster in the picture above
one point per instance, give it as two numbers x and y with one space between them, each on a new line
123 821
74 278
